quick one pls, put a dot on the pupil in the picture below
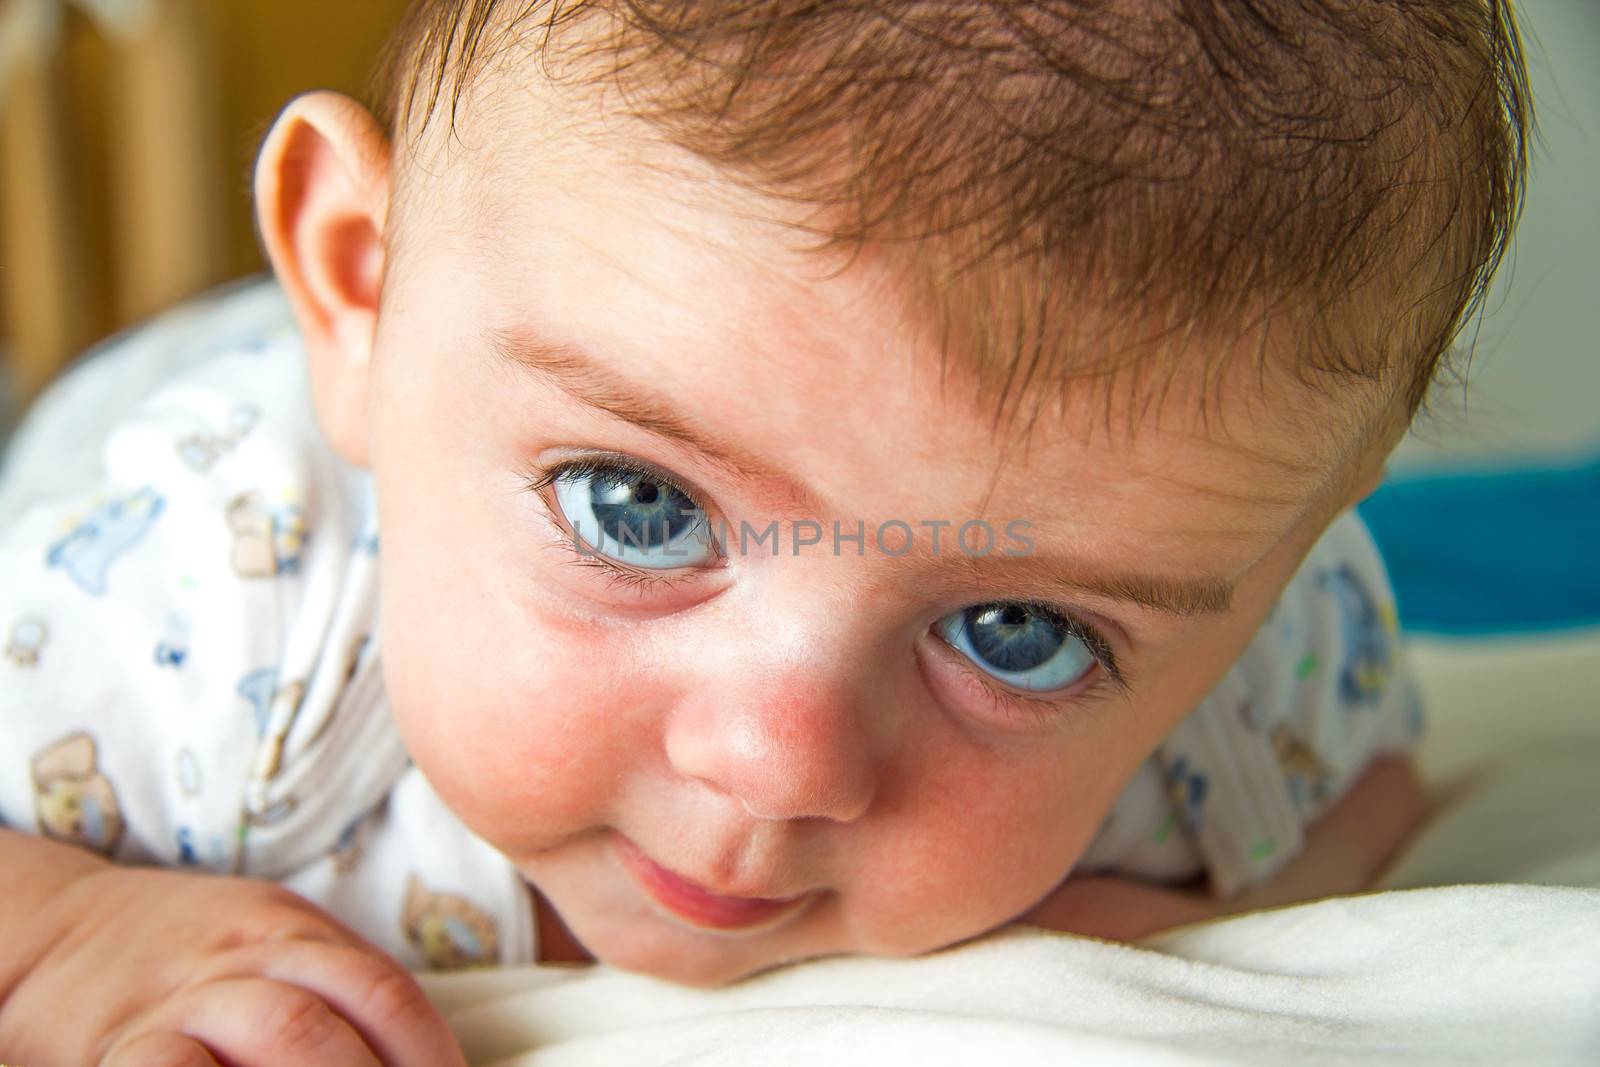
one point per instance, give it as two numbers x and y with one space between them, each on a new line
1009 637
639 511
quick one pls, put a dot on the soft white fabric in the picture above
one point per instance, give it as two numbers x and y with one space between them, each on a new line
1512 762
1461 974
1477 974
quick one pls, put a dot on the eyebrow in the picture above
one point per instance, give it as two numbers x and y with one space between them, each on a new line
587 380
1170 596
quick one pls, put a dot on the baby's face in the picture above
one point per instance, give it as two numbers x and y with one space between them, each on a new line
905 739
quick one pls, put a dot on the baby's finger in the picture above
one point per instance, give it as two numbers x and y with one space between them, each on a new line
258 1022
161 1048
375 995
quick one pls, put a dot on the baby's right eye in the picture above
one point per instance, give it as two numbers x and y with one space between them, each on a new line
632 515
1019 644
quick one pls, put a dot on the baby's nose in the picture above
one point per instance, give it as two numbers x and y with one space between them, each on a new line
798 749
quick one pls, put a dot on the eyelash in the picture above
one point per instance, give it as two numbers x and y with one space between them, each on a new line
1040 710
617 576
1035 709
1036 712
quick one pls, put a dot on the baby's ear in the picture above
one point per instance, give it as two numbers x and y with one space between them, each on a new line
322 193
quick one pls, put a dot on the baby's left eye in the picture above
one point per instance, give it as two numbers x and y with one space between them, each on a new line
1019 644
633 517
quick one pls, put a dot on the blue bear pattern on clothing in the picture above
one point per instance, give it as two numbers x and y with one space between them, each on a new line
201 450
173 648
257 687
447 930
1367 664
1187 786
73 801
267 541
88 551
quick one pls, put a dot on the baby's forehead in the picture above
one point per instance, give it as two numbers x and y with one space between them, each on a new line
729 333
1197 166
559 159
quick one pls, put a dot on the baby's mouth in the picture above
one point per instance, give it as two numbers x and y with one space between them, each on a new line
697 905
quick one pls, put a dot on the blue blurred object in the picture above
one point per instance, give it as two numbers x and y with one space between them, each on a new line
1497 551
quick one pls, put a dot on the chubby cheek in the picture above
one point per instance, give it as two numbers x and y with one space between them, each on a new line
977 843
511 719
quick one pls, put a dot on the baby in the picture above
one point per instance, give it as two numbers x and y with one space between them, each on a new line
850 477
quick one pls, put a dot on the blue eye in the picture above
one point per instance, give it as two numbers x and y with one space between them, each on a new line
632 516
1020 644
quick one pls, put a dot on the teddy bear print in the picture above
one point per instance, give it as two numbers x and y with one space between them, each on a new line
270 702
447 931
72 800
266 542
1246 710
1367 666
200 450
26 640
1305 774
347 851
89 548
1186 788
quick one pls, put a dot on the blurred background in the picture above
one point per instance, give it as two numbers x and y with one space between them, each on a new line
127 134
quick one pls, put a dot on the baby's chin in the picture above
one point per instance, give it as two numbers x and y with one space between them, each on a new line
616 922
643 942
665 950
702 971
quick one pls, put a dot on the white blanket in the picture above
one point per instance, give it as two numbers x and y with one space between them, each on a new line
1483 946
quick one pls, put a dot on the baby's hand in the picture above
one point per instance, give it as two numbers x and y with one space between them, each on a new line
1119 909
179 969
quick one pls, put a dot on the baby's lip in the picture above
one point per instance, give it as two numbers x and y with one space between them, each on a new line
699 905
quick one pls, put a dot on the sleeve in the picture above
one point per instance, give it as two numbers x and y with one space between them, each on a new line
163 609
416 882
1324 687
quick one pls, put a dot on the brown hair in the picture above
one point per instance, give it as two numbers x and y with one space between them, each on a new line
1340 176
